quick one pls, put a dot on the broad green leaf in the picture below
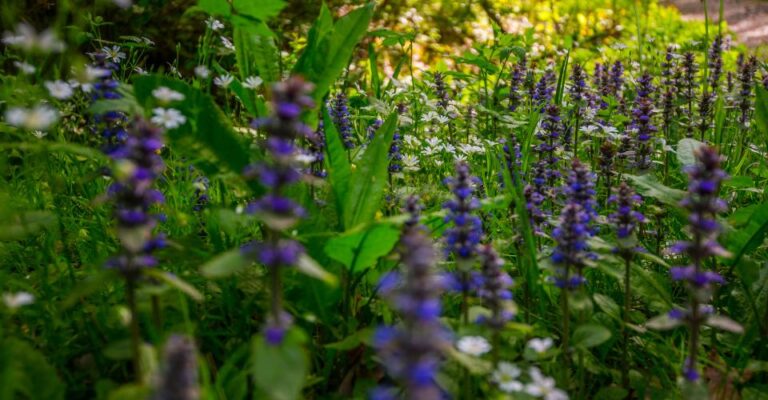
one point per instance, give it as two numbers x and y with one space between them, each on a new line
131 391
352 341
608 306
648 186
225 264
748 238
372 62
337 163
330 47
663 322
360 250
259 9
590 335
761 110
256 51
215 7
369 181
279 370
724 323
26 374
685 151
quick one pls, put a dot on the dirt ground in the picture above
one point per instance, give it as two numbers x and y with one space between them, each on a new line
747 18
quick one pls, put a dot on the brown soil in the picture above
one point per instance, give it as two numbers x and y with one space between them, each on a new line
748 19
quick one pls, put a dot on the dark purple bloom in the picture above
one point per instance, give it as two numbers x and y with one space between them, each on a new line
137 168
626 218
515 82
441 91
571 252
715 64
340 114
544 89
462 238
703 205
616 80
642 122
745 96
687 89
412 351
580 189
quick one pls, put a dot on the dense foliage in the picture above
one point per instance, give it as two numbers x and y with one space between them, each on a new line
524 200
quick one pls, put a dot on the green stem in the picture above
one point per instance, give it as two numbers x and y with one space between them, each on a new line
130 294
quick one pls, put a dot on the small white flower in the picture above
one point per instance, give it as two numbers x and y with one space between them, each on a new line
39 134
168 118
41 117
27 38
543 386
202 72
473 345
16 300
24 67
252 82
139 70
304 158
214 24
114 53
227 44
505 376
167 95
223 81
540 345
411 163
59 89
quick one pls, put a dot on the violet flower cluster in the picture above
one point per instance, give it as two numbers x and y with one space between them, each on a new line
703 205
580 189
110 125
544 89
462 238
515 82
550 136
571 251
137 166
339 111
747 73
412 351
626 218
283 128
316 149
687 88
642 122
441 91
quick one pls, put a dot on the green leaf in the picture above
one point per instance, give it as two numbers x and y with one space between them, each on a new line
259 9
748 238
256 51
361 249
26 374
175 282
338 166
225 264
308 266
761 110
590 335
279 370
207 130
372 62
648 186
131 391
685 151
352 341
369 181
663 322
330 47
215 7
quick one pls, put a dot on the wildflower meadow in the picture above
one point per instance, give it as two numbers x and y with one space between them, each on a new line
285 199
